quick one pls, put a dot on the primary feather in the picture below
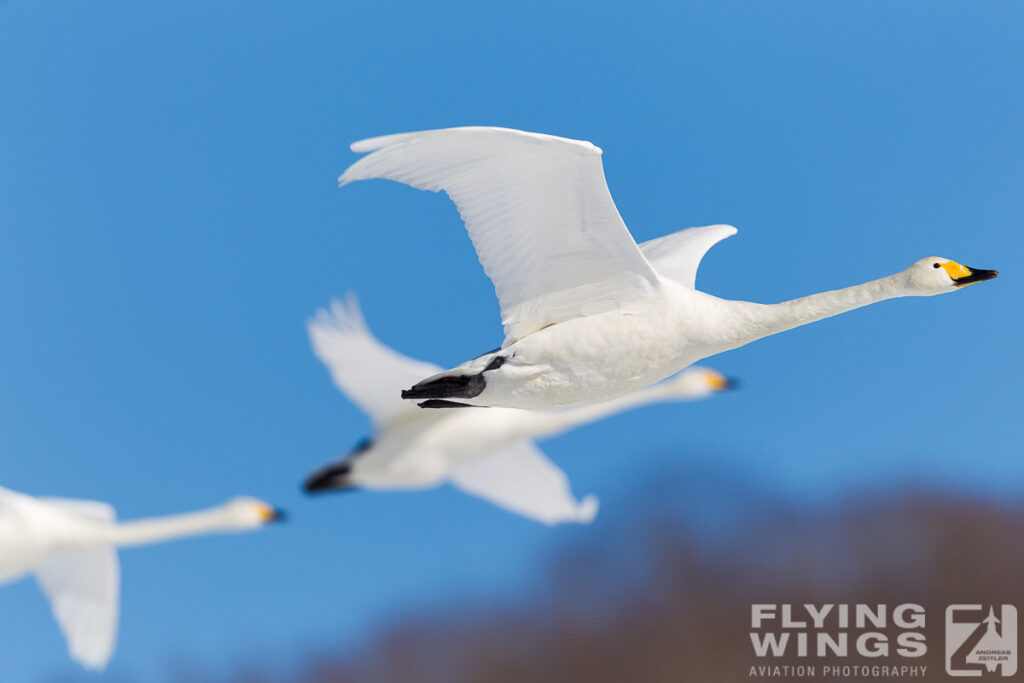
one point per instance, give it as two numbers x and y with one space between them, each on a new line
537 209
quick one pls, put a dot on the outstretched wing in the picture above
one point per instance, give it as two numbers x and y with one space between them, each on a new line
537 209
521 479
83 588
369 373
677 256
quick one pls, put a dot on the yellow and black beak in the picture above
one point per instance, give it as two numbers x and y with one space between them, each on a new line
974 275
273 514
962 275
722 383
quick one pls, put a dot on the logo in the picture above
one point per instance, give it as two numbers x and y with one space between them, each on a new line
837 641
981 640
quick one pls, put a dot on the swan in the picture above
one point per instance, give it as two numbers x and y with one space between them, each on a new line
488 453
588 314
70 546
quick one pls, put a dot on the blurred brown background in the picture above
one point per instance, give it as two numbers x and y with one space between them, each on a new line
665 597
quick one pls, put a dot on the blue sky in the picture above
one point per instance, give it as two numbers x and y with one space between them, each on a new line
169 217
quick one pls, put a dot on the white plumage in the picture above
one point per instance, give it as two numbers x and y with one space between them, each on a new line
528 201
589 315
488 453
70 547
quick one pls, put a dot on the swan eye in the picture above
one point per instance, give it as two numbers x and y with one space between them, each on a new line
935 265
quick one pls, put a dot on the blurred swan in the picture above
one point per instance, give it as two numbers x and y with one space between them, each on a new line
589 315
70 547
484 452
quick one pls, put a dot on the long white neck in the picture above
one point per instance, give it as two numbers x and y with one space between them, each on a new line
158 529
554 422
762 320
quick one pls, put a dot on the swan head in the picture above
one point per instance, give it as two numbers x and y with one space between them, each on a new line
937 275
250 513
698 382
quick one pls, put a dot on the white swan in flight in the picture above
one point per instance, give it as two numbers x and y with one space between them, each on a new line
70 547
589 315
484 452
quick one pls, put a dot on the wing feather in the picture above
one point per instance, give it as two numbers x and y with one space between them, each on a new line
83 588
677 256
371 374
521 479
537 209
